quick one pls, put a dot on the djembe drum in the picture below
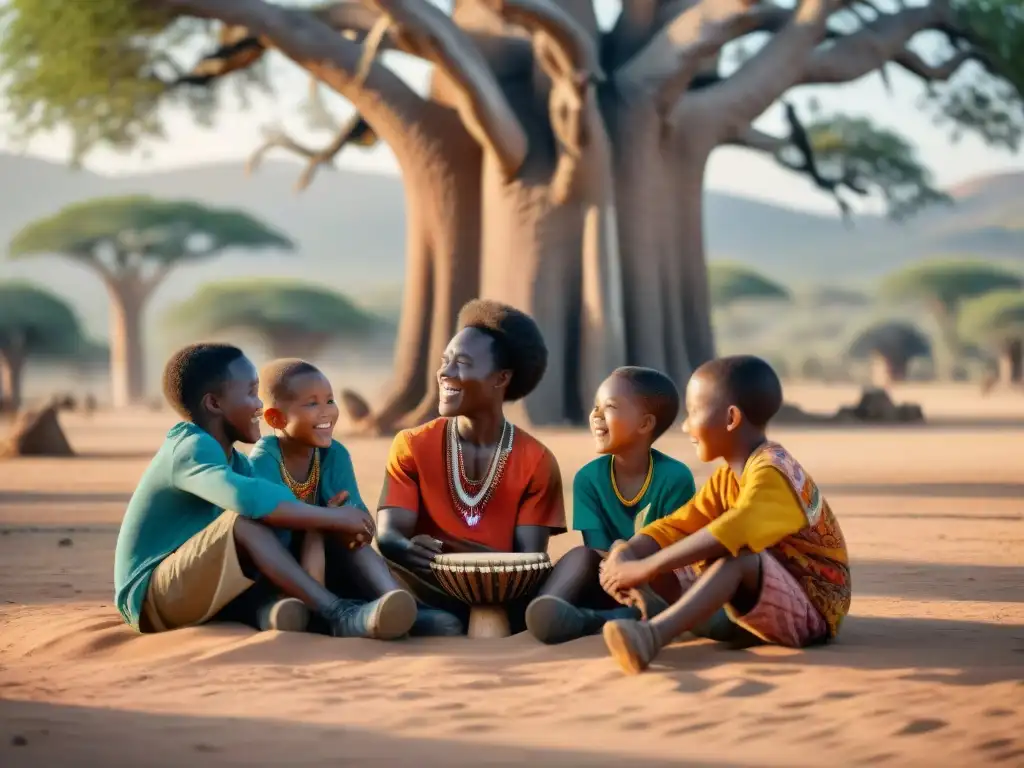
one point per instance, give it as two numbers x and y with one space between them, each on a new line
487 581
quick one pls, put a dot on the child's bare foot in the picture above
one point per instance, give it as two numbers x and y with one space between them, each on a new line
633 644
285 615
386 618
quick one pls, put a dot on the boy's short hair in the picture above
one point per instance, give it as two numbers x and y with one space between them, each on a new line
656 391
276 378
749 383
518 344
193 372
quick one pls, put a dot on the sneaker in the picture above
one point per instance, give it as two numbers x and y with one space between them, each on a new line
433 622
553 620
386 618
286 615
633 644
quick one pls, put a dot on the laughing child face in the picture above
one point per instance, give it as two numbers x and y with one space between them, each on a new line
305 411
619 418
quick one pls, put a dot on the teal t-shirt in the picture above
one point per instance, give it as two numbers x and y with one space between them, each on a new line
336 471
187 485
603 518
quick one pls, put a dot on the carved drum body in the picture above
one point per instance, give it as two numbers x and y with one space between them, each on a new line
487 581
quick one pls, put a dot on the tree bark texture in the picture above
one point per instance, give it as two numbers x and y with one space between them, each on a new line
12 364
1011 362
127 350
560 169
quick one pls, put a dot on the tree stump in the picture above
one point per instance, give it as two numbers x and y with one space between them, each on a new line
36 433
876 407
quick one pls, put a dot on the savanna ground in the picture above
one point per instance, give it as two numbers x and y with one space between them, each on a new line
929 668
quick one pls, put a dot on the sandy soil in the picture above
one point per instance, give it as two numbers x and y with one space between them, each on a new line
929 668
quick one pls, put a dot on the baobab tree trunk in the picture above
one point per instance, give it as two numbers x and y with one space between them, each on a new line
885 370
531 259
127 355
1011 363
12 363
694 295
441 174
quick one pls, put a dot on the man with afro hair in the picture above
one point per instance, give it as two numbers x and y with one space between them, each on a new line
470 481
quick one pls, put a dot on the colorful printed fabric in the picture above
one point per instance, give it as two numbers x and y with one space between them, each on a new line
773 506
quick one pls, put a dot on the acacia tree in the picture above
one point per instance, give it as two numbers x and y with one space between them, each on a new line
890 346
295 320
34 324
730 283
133 243
553 165
996 320
944 285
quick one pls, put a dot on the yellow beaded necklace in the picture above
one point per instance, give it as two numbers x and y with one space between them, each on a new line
304 490
643 489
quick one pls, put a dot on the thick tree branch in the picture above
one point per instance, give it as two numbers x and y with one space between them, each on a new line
355 131
877 42
737 101
384 99
695 34
564 31
488 116
804 161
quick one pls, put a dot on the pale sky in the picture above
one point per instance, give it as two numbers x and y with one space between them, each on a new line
237 132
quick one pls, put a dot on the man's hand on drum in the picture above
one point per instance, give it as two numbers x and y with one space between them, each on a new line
357 526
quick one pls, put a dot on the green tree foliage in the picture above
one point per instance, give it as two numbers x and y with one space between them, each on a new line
732 283
996 321
132 244
294 319
893 344
945 284
35 323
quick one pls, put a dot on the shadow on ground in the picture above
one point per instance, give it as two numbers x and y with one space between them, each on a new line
34 734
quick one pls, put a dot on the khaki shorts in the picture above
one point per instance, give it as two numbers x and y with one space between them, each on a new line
196 581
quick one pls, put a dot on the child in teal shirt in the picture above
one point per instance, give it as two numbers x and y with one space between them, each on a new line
201 529
628 486
299 406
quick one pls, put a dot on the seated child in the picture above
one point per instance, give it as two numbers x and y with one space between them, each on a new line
759 533
200 529
299 406
629 486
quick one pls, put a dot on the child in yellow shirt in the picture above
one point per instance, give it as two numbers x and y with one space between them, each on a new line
759 534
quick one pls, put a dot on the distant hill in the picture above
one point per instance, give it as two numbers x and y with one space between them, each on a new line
351 234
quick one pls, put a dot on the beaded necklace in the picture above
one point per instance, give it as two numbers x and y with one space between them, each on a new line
470 502
306 490
643 489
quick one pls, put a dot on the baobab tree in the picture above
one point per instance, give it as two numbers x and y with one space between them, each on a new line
553 165
34 325
890 346
293 319
132 244
996 320
943 285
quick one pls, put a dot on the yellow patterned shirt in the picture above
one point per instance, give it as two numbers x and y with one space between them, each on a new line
775 506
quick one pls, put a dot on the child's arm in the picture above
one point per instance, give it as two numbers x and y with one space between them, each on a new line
199 468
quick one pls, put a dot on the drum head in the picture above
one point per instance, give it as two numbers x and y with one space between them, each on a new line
485 559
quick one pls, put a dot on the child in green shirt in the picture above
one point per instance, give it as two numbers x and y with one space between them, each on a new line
299 406
201 529
627 487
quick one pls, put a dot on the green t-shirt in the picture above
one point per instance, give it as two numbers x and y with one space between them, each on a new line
187 485
336 471
603 518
